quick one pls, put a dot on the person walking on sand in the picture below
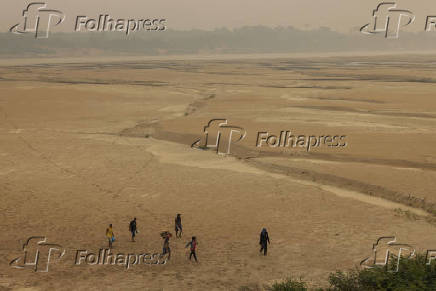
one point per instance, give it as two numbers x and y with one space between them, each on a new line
132 228
264 241
178 225
166 245
193 244
110 235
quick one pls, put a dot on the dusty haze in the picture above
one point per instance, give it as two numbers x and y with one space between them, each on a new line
341 15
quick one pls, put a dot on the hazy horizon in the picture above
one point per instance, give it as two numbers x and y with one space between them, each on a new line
339 15
247 40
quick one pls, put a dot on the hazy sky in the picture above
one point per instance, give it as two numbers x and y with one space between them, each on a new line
342 15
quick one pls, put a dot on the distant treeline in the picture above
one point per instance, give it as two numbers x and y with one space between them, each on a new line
256 39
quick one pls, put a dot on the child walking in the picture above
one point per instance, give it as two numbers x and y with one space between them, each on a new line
193 244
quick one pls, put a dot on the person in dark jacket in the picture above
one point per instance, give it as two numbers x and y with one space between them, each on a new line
264 241
178 225
132 228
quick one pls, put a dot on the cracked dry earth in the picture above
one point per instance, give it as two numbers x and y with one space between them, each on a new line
85 144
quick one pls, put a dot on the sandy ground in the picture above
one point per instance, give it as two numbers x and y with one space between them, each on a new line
86 144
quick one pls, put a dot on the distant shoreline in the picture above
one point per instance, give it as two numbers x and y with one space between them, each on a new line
4 61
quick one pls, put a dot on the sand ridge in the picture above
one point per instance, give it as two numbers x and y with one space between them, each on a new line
85 144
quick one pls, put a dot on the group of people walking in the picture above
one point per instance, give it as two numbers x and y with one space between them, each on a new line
166 235
166 250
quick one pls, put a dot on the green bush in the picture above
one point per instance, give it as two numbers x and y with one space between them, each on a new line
289 285
412 274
